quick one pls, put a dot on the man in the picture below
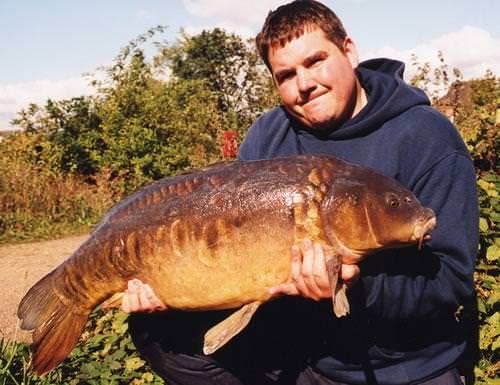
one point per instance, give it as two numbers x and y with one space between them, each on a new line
405 326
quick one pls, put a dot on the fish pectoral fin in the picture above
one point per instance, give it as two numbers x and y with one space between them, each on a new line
338 288
115 301
341 305
220 334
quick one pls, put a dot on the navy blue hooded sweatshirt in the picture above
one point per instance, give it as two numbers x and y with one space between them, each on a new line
403 326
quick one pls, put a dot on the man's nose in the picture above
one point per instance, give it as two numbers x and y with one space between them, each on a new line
305 82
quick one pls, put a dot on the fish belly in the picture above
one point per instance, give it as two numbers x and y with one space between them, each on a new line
221 265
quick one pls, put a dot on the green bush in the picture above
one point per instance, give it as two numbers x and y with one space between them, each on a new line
39 202
487 279
105 355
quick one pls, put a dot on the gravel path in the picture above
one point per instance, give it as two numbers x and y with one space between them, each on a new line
21 265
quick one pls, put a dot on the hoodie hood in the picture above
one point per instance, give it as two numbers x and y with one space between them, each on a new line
387 96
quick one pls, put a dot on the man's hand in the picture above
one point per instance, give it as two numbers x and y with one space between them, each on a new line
309 275
140 297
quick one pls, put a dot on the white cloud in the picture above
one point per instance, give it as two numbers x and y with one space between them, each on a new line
247 12
14 97
143 14
472 50
242 17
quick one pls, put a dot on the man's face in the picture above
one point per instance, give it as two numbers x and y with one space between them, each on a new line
316 80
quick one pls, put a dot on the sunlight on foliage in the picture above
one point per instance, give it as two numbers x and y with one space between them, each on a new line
474 107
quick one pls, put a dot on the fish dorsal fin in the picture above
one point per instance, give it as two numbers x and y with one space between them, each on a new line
221 333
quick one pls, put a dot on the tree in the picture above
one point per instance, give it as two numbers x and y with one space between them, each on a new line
68 134
152 127
232 71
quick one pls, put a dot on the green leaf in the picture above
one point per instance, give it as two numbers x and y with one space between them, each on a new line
134 363
483 224
485 339
485 267
493 253
494 295
90 370
115 365
496 344
494 320
488 280
483 184
481 306
148 377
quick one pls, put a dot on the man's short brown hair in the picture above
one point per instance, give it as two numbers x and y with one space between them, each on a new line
292 20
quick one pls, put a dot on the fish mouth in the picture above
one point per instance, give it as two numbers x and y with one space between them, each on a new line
422 231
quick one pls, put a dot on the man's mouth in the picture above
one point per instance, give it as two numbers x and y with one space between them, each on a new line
310 99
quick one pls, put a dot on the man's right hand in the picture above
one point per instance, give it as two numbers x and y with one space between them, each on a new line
140 297
309 277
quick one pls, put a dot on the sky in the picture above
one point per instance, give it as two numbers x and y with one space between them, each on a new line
47 46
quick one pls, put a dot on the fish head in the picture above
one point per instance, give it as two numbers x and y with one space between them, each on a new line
366 213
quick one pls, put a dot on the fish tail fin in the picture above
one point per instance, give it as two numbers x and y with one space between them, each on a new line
56 326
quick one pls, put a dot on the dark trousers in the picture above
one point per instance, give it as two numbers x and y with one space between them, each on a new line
275 354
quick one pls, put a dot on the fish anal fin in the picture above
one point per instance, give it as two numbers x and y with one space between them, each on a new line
338 288
220 334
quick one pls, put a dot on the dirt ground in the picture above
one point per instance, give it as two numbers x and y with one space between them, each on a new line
21 265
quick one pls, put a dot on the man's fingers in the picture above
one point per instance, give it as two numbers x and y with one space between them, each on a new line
296 264
153 300
284 288
296 260
312 270
301 257
140 297
125 302
350 274
307 283
319 269
144 300
132 295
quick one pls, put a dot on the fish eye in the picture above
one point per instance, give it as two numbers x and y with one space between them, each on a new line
394 202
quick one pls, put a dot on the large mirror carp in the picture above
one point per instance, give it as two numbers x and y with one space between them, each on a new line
219 238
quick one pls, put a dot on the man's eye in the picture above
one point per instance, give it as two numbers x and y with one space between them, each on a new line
315 61
285 76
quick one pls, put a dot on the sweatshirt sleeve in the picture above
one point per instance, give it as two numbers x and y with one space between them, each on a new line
410 284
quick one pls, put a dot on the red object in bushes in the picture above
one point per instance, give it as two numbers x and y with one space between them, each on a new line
229 144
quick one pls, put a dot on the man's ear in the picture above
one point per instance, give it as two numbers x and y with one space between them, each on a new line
351 52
